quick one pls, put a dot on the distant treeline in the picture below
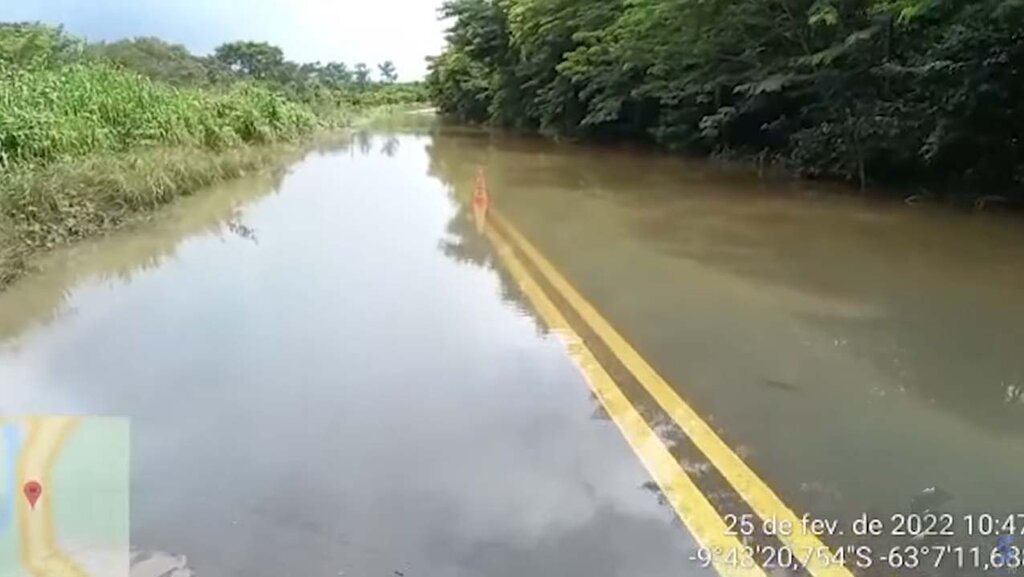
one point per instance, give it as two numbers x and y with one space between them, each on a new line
912 91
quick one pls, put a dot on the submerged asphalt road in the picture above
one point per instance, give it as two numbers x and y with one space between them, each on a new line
339 371
330 384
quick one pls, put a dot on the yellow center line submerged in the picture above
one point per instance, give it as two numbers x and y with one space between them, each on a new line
762 500
692 507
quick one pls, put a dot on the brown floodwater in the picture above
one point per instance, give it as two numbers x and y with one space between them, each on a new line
329 373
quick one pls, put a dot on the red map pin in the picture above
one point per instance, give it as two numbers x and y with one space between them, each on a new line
33 490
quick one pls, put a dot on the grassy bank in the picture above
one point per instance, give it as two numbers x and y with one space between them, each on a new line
71 111
93 138
45 207
54 200
88 147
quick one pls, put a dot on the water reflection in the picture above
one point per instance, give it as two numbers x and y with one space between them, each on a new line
241 230
481 201
874 276
122 256
364 141
1014 394
824 335
286 369
303 345
389 145
465 241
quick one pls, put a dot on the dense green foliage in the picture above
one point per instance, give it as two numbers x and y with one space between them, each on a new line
886 90
157 60
27 44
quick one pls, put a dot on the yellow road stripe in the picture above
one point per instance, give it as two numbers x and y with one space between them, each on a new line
754 491
690 504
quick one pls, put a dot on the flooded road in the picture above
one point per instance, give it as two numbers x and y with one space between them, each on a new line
331 372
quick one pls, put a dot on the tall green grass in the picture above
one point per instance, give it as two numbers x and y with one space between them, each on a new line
80 109
87 147
89 142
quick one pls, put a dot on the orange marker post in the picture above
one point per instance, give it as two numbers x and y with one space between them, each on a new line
481 200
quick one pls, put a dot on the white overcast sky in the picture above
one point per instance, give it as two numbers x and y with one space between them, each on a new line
371 31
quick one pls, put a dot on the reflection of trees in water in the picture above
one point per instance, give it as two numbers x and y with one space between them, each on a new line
364 141
241 230
970 371
1014 394
333 143
359 142
517 164
998 405
450 163
464 245
529 162
41 297
453 163
350 142
389 146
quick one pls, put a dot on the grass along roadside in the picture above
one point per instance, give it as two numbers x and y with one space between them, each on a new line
48 115
42 208
53 205
89 147
88 144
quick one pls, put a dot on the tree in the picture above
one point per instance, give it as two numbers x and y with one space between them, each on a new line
154 58
337 74
258 60
362 74
387 72
851 89
32 43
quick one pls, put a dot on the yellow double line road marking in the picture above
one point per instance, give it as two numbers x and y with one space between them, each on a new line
690 504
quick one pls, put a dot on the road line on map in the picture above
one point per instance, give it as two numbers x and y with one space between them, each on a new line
761 498
62 432
28 556
45 437
689 503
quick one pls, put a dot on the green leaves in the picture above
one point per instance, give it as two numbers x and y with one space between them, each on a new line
361 74
259 60
388 75
31 44
905 11
75 110
772 83
853 89
823 13
854 43
155 59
